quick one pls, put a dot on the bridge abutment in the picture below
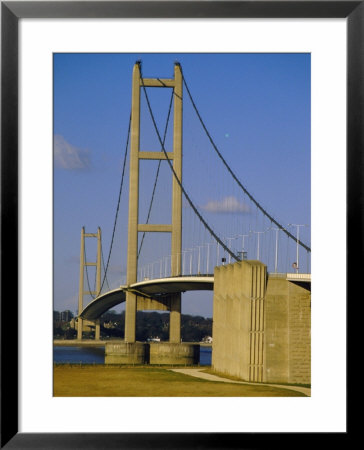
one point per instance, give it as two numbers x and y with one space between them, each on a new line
261 325
287 331
238 320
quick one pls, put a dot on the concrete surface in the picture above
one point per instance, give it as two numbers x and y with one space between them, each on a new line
207 376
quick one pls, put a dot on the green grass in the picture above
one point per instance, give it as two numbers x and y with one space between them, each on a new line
120 381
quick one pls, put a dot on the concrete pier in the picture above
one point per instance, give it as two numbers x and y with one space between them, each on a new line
126 353
172 353
159 353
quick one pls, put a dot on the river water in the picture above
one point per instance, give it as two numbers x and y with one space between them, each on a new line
95 355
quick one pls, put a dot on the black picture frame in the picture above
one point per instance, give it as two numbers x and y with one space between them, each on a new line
11 12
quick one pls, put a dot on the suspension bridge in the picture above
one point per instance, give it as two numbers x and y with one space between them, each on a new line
176 241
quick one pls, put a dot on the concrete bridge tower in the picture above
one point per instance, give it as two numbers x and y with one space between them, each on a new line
83 325
134 302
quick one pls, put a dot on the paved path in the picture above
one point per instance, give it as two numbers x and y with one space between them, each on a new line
207 376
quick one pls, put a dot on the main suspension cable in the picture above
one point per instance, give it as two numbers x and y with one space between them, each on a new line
157 173
281 227
118 203
213 234
103 265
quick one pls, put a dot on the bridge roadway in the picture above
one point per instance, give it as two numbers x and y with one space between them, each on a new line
161 287
156 288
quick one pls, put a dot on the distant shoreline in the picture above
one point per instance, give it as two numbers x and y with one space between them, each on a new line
100 343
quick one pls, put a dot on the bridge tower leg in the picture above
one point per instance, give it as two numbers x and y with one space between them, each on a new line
82 292
175 228
132 262
81 284
175 314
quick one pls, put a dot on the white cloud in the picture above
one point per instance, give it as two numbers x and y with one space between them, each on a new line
226 205
68 157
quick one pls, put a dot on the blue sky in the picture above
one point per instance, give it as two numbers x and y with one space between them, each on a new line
257 109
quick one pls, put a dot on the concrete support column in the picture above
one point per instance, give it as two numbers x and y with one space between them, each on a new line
176 244
175 319
98 262
131 301
256 335
238 320
80 291
177 166
97 330
98 279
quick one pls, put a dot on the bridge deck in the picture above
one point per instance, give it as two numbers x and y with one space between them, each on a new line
163 287
149 288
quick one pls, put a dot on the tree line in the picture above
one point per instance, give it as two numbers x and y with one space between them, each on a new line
149 325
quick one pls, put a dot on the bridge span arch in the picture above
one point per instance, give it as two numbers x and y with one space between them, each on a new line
155 288
163 287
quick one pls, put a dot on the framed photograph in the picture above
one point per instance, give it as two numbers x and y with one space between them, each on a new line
38 36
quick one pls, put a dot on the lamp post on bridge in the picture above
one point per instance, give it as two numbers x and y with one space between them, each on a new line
160 267
276 251
297 267
230 239
208 256
190 250
258 246
183 260
243 244
199 258
155 262
165 265
146 271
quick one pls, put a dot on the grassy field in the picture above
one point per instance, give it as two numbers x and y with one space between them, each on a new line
120 381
